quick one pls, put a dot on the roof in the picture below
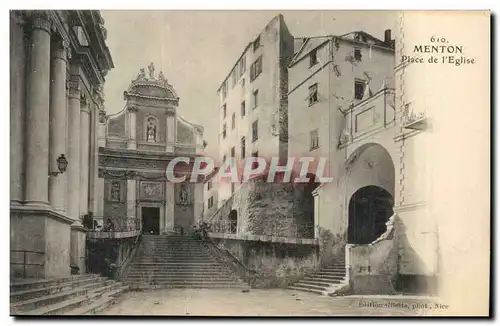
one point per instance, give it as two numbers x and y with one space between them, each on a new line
349 37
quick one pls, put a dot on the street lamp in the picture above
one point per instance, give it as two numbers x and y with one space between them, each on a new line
62 164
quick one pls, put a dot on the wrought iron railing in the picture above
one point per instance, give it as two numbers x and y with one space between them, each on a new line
25 259
114 224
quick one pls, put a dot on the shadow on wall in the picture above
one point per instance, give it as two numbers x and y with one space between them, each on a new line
331 246
375 269
416 282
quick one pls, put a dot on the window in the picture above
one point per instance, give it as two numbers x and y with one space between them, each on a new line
255 131
233 152
255 164
224 159
243 85
233 121
314 140
224 127
232 188
209 185
255 98
243 109
243 147
256 43
224 91
224 111
313 94
243 66
234 77
256 69
359 89
210 202
313 58
357 54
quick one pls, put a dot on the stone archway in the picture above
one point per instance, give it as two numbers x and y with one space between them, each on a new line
369 209
233 221
369 192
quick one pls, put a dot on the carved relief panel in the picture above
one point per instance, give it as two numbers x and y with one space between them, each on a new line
151 190
115 192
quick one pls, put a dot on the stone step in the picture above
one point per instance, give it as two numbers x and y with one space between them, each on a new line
329 279
311 286
99 303
168 259
179 278
330 274
20 285
69 301
306 289
174 263
52 289
315 283
38 302
143 286
328 270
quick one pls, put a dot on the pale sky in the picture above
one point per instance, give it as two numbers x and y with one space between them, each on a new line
196 49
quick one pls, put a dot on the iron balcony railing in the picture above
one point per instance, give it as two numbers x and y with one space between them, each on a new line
273 228
112 224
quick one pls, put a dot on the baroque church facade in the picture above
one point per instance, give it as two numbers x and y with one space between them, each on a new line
136 146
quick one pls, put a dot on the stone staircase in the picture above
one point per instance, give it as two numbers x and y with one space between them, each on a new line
326 281
177 261
75 295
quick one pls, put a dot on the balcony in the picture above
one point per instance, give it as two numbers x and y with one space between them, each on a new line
369 116
413 119
114 228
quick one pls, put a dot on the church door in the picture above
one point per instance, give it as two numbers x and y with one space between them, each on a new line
150 220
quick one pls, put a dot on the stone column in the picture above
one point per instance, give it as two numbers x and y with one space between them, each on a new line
169 206
170 138
316 213
57 136
73 171
99 182
37 111
17 105
132 141
84 155
131 198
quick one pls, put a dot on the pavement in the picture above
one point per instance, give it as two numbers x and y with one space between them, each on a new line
267 302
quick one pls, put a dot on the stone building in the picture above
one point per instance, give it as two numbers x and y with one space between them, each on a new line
135 147
253 100
58 63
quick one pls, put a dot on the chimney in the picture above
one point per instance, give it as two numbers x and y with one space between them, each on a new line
387 37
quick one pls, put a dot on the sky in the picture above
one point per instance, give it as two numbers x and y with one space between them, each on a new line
196 50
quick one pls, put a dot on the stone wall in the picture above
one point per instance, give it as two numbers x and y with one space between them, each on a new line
277 264
277 209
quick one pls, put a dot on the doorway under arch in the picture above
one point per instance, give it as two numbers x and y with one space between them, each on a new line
369 209
233 221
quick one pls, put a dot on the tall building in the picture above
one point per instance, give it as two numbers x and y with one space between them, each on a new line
58 63
253 100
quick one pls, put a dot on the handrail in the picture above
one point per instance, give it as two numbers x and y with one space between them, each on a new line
129 254
24 263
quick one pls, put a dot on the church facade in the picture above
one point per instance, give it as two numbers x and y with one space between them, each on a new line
136 146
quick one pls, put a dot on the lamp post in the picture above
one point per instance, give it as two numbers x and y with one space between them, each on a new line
62 164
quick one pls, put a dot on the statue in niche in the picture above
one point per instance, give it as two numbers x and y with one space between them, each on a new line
151 130
183 195
151 69
115 191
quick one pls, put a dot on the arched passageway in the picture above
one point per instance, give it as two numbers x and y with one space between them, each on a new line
233 221
369 209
